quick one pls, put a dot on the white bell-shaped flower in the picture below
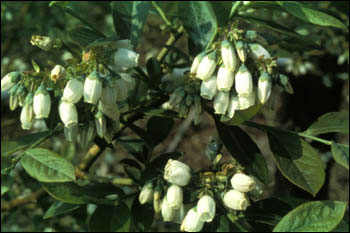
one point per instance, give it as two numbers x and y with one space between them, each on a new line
126 58
221 102
192 221
68 114
41 103
168 213
73 91
92 88
246 100
235 200
258 51
228 55
197 60
225 79
264 87
146 194
174 196
243 81
206 208
43 42
27 113
58 72
10 80
241 51
176 172
207 66
233 106
209 88
180 215
243 183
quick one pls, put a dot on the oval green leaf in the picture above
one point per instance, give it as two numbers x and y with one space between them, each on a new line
332 122
47 166
60 208
340 154
316 216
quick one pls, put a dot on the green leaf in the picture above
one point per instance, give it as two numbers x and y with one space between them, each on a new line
159 128
316 216
6 183
222 11
244 115
129 18
244 150
297 160
36 66
10 147
332 122
59 208
47 166
135 147
75 194
6 165
110 219
142 215
311 15
83 36
340 154
200 22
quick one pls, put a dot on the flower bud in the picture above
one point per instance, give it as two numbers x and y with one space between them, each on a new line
42 103
27 114
43 42
258 51
126 58
124 44
68 114
246 100
225 79
168 213
235 200
243 183
221 102
10 80
209 88
21 93
73 91
206 208
146 194
264 87
176 172
174 196
196 62
157 206
207 66
228 55
233 106
57 72
241 51
87 134
112 111
100 123
192 221
92 88
243 81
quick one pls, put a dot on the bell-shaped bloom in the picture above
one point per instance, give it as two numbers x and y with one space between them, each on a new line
258 51
41 103
235 200
264 87
87 134
58 72
241 51
10 80
168 213
192 221
228 55
146 194
43 42
243 81
176 172
73 91
174 196
126 58
246 100
221 102
101 124
207 66
68 114
233 105
209 88
92 88
196 62
27 114
243 183
206 208
225 79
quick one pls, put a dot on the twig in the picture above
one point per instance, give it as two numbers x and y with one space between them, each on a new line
171 41
31 198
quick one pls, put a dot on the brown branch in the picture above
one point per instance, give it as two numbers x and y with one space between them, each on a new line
174 37
32 198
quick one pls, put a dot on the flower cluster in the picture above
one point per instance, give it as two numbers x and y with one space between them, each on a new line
92 89
232 89
172 208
